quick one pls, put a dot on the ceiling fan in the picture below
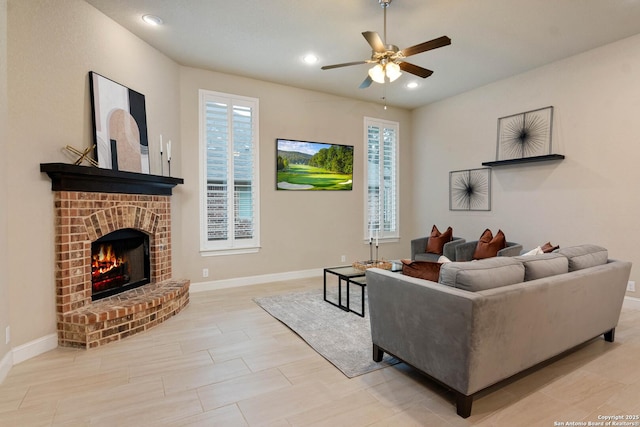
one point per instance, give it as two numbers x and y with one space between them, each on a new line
388 58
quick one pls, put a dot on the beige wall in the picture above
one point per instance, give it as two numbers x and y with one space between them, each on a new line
300 230
590 197
4 284
52 46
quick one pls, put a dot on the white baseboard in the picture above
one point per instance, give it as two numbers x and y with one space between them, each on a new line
5 365
34 348
254 280
26 351
631 302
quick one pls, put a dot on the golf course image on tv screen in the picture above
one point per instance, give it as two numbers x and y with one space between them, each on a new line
304 165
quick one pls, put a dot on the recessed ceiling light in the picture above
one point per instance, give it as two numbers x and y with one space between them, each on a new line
412 85
310 58
152 19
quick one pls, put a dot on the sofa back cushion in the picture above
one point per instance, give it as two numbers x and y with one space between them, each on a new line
543 265
482 274
584 256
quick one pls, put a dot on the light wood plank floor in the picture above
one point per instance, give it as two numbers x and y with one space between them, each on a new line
224 361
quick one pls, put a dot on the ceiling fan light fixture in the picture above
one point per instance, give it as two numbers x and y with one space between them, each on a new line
389 60
393 71
377 73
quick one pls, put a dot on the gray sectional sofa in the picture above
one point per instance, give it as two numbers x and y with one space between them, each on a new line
488 320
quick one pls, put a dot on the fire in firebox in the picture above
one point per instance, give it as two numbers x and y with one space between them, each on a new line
119 261
108 270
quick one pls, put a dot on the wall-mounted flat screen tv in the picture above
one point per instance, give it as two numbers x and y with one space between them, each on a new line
304 165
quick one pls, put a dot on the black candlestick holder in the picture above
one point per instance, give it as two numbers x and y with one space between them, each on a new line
370 251
372 260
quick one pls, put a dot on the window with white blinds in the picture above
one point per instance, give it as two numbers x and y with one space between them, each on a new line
381 209
229 173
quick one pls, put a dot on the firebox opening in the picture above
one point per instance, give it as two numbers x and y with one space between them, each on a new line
119 262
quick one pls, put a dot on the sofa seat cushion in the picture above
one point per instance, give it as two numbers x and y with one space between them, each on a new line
425 256
482 274
584 256
427 270
543 265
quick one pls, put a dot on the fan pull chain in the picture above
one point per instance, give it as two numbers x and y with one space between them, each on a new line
384 95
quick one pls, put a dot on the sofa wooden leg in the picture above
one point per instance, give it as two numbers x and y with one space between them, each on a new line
377 353
610 335
463 405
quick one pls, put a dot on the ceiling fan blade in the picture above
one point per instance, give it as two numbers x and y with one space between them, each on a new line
346 64
423 47
366 83
416 70
374 41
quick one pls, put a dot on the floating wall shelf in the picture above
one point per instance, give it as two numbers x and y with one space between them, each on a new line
546 158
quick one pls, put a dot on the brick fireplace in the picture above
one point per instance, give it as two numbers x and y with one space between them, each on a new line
91 203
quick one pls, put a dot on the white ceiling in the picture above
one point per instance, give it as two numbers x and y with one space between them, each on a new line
266 39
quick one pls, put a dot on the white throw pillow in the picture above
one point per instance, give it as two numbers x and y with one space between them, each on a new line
536 251
443 259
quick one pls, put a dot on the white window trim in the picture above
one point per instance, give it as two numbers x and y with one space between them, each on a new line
224 248
390 236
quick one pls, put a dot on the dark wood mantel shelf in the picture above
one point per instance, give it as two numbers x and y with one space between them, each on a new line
67 177
533 159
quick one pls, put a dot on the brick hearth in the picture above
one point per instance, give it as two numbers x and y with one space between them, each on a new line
117 317
83 217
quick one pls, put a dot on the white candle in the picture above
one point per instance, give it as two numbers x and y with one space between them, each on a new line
376 238
160 143
169 150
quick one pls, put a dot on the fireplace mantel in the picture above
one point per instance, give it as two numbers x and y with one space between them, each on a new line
68 177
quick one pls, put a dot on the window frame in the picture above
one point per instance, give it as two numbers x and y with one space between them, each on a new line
231 245
390 235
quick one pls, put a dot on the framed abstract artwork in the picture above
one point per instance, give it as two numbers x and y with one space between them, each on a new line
470 190
119 125
525 135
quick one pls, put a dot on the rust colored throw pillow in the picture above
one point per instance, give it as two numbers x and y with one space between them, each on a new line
427 270
548 247
488 246
437 240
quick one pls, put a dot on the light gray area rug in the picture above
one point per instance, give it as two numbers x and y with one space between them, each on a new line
343 338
